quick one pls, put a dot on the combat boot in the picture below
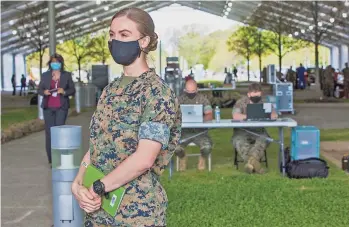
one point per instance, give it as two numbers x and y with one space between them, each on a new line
248 168
183 163
202 163
256 165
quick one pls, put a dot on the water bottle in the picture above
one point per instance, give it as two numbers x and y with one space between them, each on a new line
217 114
233 84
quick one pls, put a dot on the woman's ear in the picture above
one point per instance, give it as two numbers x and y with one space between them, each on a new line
144 42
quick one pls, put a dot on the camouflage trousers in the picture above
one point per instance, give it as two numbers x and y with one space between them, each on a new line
203 141
328 89
248 145
346 89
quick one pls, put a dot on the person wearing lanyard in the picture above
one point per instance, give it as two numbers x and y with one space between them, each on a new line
55 86
133 132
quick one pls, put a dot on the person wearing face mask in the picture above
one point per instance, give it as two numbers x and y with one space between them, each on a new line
191 96
55 86
133 131
250 147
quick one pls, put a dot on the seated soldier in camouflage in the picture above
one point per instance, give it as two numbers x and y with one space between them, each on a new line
191 96
250 147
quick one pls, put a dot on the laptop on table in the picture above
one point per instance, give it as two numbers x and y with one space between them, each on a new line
192 113
259 112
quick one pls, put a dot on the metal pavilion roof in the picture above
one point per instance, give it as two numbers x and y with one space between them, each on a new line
90 17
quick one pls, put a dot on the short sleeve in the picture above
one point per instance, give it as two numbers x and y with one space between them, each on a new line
157 120
237 107
206 103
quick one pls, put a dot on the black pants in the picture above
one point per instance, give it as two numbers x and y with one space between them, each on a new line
22 89
53 117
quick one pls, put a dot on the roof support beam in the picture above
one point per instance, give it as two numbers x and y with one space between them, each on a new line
60 27
104 24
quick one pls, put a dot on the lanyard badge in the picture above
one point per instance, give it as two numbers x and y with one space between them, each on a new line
54 94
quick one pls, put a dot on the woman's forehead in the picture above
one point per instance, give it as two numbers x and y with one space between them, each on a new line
121 24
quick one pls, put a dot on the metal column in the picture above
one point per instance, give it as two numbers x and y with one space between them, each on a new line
335 57
25 65
52 26
343 56
2 72
14 65
52 41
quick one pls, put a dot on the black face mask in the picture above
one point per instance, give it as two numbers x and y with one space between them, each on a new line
191 95
124 53
255 99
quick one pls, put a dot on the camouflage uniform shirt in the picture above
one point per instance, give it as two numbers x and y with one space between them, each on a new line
143 108
240 107
198 99
346 74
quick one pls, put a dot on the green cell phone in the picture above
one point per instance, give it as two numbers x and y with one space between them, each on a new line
110 205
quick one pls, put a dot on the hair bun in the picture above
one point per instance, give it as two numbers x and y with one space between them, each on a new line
153 44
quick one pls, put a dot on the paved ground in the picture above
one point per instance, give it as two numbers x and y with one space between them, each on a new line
322 115
26 177
334 151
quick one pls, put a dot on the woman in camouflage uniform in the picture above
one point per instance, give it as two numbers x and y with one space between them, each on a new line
134 131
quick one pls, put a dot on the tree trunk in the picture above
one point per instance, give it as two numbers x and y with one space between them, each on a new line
79 67
260 68
316 45
280 52
317 74
40 70
248 67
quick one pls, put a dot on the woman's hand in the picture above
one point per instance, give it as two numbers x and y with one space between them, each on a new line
46 92
93 193
60 91
86 200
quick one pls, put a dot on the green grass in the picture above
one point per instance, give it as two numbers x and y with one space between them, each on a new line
10 116
229 197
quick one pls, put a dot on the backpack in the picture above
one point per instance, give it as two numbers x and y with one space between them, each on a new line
307 168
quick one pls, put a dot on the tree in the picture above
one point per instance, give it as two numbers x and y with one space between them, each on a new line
196 48
242 41
98 47
208 50
261 47
76 47
172 36
281 45
29 29
275 17
319 30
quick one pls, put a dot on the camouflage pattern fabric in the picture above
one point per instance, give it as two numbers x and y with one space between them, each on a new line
328 86
203 141
145 108
346 81
247 144
291 76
